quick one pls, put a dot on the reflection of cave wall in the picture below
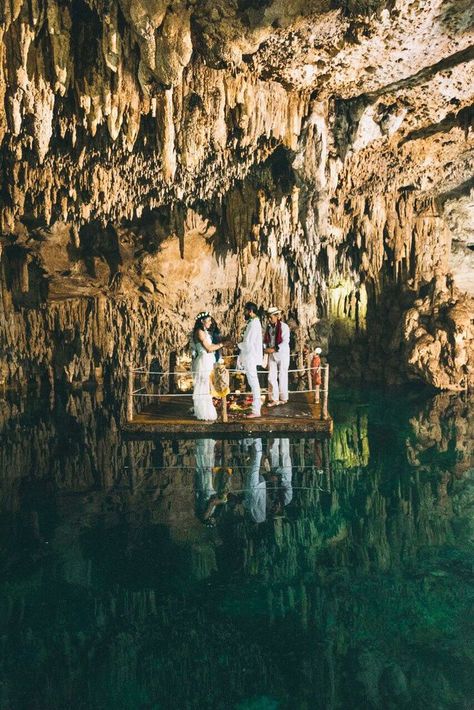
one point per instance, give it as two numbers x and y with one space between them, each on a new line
138 648
114 601
24 281
73 445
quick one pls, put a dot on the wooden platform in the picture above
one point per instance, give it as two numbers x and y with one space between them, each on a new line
172 416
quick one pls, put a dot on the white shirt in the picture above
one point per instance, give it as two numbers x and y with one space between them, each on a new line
284 347
251 347
272 334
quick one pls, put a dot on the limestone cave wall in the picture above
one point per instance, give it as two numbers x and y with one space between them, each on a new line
158 158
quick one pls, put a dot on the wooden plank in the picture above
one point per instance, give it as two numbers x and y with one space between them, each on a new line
173 416
232 430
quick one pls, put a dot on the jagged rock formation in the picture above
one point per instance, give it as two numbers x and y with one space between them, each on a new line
158 157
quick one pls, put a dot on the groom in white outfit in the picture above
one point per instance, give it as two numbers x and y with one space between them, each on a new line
277 347
255 500
280 461
251 354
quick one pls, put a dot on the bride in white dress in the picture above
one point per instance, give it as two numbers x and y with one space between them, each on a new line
203 350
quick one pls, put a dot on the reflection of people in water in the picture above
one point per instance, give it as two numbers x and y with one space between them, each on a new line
212 484
280 462
255 499
205 459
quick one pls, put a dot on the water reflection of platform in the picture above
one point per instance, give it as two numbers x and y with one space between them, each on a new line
173 416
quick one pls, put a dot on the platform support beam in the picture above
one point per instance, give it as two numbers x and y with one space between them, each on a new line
310 377
130 395
131 467
324 407
224 409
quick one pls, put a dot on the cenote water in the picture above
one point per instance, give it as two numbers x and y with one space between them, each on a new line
251 574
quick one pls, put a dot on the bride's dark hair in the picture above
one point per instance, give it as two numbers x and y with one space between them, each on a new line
199 324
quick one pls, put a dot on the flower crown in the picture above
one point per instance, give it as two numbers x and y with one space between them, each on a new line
203 314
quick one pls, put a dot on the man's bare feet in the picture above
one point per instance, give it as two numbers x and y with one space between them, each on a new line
253 416
274 403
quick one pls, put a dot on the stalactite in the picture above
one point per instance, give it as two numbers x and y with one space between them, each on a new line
319 169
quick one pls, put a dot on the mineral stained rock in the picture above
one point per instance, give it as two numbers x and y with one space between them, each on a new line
162 156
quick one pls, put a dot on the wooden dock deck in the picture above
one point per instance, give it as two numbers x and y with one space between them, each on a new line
172 416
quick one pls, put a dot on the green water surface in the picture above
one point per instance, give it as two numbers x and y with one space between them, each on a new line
254 574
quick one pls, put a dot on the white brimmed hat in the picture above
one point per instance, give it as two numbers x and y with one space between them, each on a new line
318 351
273 311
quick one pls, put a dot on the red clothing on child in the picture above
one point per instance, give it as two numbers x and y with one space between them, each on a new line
316 370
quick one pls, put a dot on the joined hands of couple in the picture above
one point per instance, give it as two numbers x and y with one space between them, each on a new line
232 344
227 343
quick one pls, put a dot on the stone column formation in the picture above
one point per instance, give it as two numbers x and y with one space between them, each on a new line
159 157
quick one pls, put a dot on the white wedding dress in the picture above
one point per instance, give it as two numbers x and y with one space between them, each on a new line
202 366
205 460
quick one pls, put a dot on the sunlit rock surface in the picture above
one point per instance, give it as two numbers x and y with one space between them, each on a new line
161 157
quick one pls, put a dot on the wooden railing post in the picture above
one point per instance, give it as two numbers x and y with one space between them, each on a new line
131 466
300 367
224 408
311 385
310 375
324 408
130 395
327 462
301 453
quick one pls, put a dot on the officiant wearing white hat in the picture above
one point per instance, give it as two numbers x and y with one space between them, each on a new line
276 343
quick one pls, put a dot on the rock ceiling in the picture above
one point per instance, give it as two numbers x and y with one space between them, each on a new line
217 79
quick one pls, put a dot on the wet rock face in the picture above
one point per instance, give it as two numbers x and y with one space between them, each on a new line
168 156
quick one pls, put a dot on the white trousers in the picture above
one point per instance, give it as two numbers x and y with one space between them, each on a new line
255 485
280 461
254 384
278 376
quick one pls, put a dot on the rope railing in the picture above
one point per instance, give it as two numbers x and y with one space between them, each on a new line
138 390
143 370
137 393
314 388
146 486
194 465
182 373
268 487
